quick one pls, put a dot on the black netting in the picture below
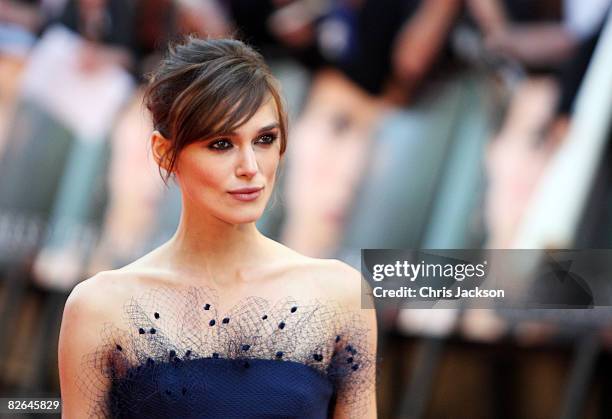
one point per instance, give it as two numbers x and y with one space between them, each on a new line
175 345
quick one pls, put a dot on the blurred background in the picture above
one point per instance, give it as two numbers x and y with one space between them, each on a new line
434 124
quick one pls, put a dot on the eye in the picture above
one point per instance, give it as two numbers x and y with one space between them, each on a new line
221 144
266 139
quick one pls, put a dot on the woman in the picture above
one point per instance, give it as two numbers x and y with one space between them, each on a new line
220 321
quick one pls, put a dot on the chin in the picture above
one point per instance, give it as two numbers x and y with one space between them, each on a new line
244 217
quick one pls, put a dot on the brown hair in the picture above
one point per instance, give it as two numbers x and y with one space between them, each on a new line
206 87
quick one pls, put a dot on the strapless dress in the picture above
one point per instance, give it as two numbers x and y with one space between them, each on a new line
177 356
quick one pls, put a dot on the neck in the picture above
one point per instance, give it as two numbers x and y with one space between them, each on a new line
212 251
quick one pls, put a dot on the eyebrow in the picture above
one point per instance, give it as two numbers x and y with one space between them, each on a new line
259 131
268 127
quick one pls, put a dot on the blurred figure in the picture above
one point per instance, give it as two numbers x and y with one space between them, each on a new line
538 37
517 157
371 57
134 191
539 110
203 17
18 18
327 157
106 27
89 86
419 44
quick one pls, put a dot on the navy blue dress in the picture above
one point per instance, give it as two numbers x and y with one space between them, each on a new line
179 357
221 388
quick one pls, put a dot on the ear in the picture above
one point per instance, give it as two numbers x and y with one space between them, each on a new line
161 147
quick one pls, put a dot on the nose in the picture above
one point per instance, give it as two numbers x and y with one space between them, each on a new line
247 163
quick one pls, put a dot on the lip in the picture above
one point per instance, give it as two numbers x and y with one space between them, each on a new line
246 194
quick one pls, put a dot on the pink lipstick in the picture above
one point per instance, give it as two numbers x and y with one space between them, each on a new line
246 194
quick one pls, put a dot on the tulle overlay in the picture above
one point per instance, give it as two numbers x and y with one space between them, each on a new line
179 356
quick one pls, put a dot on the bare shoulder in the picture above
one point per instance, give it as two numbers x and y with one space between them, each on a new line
299 261
341 281
337 274
329 278
97 292
99 299
92 305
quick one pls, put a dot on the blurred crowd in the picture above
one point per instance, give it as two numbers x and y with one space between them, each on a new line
413 124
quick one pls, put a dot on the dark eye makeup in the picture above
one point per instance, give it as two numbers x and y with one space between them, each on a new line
222 144
267 139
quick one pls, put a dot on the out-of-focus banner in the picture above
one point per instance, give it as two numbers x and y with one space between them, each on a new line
501 279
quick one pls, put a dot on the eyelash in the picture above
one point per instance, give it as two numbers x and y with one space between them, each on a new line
269 139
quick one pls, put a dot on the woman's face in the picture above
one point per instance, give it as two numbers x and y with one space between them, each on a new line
230 176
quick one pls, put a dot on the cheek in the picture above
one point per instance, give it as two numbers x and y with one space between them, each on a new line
269 165
210 177
200 172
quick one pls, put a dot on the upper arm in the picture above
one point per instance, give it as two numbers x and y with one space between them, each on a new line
422 37
357 390
82 383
